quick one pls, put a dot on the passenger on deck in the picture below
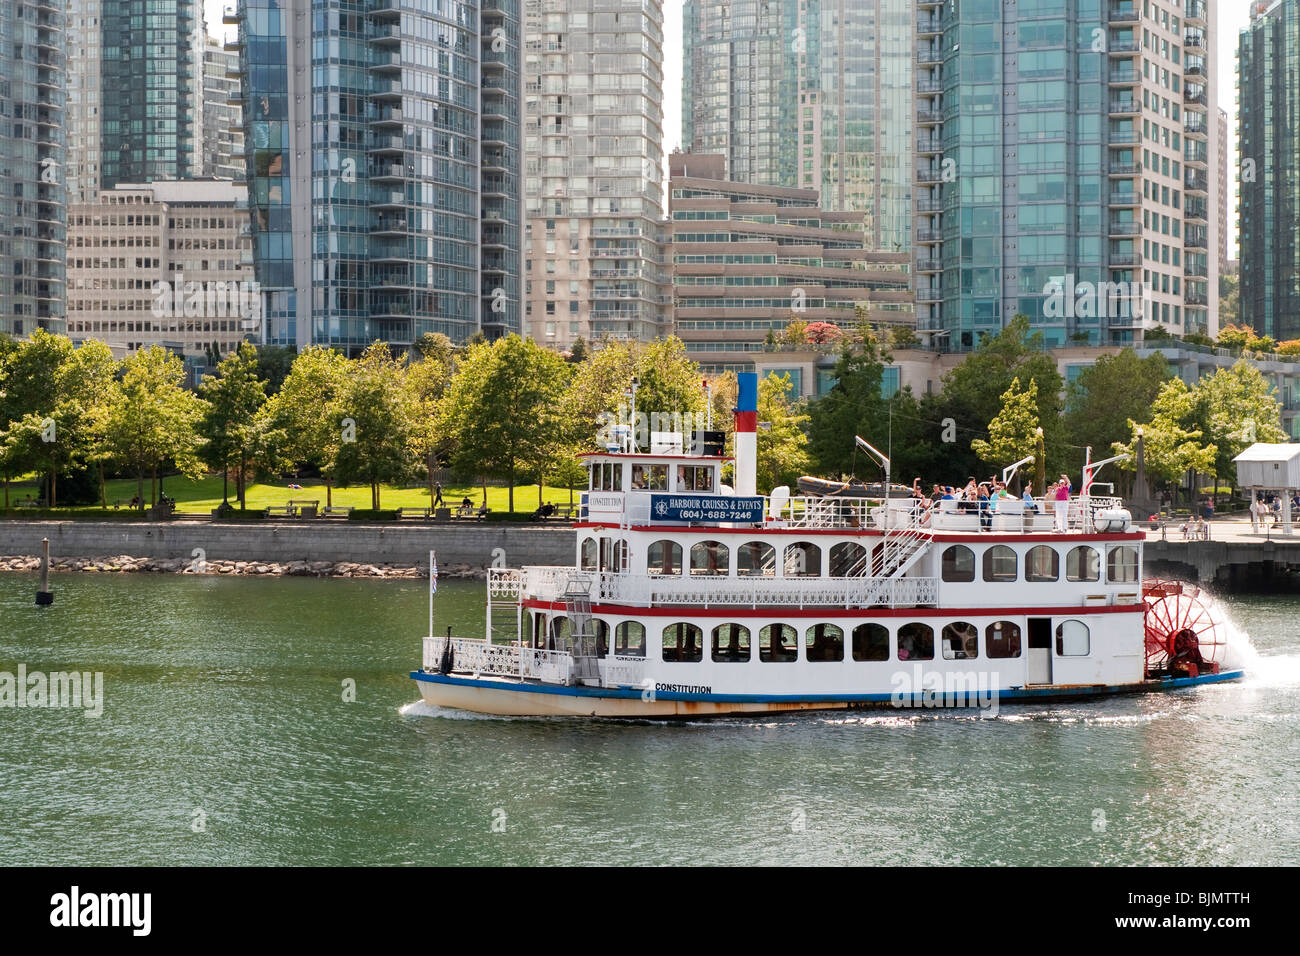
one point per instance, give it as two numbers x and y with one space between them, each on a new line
1062 503
1028 498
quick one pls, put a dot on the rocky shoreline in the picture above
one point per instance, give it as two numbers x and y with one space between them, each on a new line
320 569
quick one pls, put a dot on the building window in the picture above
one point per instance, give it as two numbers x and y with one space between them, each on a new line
1082 564
960 641
871 642
730 643
825 642
999 563
778 643
664 557
1073 639
1122 565
683 643
958 564
1002 639
1042 564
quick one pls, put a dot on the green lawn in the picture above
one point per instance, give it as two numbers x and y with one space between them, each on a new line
205 494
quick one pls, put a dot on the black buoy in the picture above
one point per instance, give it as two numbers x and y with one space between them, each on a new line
45 596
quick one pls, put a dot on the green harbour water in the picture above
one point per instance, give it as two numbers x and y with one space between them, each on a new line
226 738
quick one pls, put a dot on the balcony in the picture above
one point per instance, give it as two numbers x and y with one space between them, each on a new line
929 26
389 34
1194 13
1122 46
1126 169
929 295
1196 125
388 199
1121 14
1196 298
929 55
388 115
929 235
1196 182
929 176
387 63
928 117
384 89
929 265
929 87
1124 105
389 171
1124 78
1197 269
387 144
1196 210
1195 240
1128 228
1123 260
927 204
1194 41
1122 137
1125 199
1194 96
389 225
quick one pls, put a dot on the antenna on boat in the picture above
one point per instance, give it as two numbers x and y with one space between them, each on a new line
881 459
1009 472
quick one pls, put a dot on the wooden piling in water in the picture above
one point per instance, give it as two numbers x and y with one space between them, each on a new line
44 595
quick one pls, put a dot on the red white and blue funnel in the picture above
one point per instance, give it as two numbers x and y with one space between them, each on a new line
746 433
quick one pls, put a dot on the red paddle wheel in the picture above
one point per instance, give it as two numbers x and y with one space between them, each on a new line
1184 637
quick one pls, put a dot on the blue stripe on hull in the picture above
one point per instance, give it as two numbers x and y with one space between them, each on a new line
1017 693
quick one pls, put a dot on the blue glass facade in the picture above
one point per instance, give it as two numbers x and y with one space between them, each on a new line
376 169
33 160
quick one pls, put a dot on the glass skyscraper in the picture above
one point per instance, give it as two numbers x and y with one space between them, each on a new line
1063 151
384 167
33 157
1268 60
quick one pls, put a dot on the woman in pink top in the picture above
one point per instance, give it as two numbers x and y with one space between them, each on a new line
1062 502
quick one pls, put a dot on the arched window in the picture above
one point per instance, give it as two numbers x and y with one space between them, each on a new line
958 564
731 643
1042 563
1073 639
664 557
803 559
1122 565
683 643
1002 639
824 642
871 642
848 559
960 641
589 554
778 643
1082 564
601 629
756 559
709 557
561 632
916 642
629 639
999 563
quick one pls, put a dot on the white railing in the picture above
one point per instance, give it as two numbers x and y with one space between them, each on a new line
476 656
505 582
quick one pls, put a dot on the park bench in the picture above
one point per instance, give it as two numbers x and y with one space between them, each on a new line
470 514
30 503
282 511
421 513
306 509
337 511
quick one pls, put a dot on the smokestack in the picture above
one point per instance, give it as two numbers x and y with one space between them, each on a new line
747 433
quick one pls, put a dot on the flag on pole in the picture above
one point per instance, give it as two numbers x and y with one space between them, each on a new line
433 574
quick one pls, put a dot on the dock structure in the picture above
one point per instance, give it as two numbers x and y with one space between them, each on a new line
1232 555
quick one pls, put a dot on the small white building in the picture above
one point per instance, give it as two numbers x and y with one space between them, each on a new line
1269 466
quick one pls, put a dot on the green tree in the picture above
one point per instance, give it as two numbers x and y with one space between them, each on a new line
229 426
375 431
154 418
1172 444
273 364
854 405
301 423
782 451
503 410
29 372
1013 430
427 381
1234 408
1106 396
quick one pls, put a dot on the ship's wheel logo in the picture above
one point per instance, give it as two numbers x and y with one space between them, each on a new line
661 508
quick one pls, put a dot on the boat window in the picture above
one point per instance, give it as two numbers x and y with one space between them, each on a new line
1042 563
601 629
803 559
960 641
1082 564
526 629
588 554
730 643
1122 565
664 557
824 642
607 476
560 635
629 639
958 564
754 558
613 554
683 643
778 643
709 557
871 642
650 477
916 642
1073 639
694 477
999 563
1002 639
848 560
539 629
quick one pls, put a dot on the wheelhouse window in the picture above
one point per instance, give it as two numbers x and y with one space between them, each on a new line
803 559
1083 564
607 476
1073 639
847 560
650 477
916 642
960 641
825 642
730 643
1042 563
1122 565
629 639
871 642
709 557
756 559
664 557
695 478
683 643
778 643
958 564
589 554
999 563
1002 639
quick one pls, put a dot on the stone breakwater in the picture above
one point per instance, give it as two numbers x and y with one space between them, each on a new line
123 563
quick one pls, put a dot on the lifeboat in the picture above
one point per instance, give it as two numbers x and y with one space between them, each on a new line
853 488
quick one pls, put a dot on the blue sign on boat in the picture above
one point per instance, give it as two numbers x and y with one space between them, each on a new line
706 508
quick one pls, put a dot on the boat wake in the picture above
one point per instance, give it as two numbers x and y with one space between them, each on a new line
421 708
1262 670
